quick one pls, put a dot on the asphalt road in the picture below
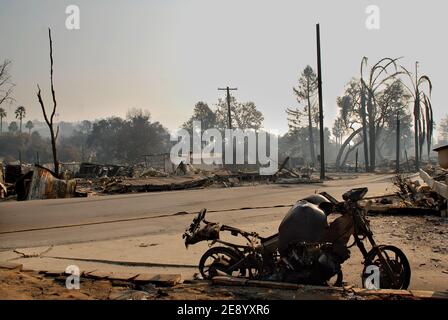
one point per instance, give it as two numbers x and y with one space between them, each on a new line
142 232
55 222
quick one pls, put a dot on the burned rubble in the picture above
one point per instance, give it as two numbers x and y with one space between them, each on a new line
91 179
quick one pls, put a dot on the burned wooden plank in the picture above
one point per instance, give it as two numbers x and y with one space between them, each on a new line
273 285
11 265
382 292
229 281
167 280
125 276
429 294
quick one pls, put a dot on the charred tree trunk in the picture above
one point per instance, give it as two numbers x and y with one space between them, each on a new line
344 145
310 133
417 132
355 147
372 137
364 127
49 120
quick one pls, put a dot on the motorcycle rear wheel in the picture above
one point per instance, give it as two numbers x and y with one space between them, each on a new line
218 260
398 263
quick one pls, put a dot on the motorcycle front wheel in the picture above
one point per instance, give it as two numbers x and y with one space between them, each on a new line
217 261
337 280
399 274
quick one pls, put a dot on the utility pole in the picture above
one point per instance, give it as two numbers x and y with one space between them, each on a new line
321 114
398 144
228 104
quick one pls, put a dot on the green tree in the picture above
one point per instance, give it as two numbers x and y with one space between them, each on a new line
3 114
339 130
20 114
203 114
126 141
29 125
295 144
13 127
85 126
29 145
103 139
305 93
244 115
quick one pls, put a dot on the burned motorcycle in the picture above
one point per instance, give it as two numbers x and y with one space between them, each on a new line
306 249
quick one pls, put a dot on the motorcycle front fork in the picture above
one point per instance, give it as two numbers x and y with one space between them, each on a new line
384 262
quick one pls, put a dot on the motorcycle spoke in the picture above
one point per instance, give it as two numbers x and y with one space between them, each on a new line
394 268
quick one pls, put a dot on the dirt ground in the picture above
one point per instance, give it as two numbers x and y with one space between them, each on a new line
34 286
423 239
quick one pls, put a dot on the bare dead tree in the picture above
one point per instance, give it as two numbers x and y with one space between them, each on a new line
49 121
6 86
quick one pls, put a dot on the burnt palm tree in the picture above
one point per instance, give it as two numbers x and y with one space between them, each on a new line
423 116
377 77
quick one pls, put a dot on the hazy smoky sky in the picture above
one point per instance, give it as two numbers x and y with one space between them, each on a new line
166 55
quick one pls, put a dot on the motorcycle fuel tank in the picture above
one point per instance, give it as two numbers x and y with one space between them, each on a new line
304 222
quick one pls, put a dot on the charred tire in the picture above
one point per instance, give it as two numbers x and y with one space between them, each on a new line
398 263
218 260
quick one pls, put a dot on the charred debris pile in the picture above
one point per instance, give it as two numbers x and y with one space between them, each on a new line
27 182
424 193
